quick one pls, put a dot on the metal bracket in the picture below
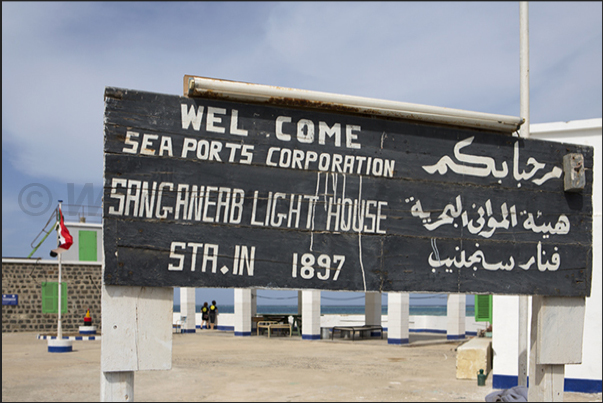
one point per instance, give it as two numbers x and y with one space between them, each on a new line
573 169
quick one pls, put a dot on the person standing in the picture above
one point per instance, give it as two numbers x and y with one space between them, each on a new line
205 315
213 312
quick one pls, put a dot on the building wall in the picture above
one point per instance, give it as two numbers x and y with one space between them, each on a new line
585 377
72 255
24 277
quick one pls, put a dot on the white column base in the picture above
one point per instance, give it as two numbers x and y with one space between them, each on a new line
60 346
87 329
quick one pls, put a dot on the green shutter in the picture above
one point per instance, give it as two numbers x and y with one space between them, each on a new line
87 246
483 308
50 295
63 297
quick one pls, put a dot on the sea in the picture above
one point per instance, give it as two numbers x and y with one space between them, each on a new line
432 310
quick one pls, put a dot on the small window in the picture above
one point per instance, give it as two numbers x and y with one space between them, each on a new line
87 246
50 296
483 308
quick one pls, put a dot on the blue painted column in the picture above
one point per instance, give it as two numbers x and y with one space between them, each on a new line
372 310
254 301
299 302
187 309
242 308
310 315
398 306
254 306
455 313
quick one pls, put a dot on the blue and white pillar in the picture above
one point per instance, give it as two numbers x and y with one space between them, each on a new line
254 306
299 302
254 301
187 310
398 317
242 312
455 312
372 310
310 315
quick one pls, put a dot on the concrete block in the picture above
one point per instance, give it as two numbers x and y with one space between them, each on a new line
137 328
372 308
472 356
560 327
398 318
243 309
455 313
187 309
310 314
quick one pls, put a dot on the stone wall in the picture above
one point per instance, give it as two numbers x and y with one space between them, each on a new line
25 277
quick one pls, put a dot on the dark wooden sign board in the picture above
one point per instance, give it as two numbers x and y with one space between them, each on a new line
202 192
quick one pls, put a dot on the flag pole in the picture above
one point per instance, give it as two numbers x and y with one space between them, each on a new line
64 242
59 327
524 96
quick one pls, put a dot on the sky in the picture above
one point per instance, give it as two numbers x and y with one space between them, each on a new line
57 59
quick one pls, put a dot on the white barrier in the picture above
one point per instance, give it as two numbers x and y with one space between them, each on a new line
418 323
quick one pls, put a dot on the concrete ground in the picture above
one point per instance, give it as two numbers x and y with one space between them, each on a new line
216 366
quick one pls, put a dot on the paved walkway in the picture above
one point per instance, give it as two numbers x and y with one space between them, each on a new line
216 366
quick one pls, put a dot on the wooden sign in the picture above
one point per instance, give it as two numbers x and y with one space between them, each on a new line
202 192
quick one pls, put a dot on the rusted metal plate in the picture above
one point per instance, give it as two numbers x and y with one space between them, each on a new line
202 192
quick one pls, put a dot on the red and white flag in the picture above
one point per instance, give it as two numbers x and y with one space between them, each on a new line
65 238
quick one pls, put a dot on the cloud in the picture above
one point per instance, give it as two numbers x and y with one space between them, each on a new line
401 51
565 61
58 58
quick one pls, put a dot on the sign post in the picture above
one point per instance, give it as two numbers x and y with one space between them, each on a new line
246 186
204 192
524 74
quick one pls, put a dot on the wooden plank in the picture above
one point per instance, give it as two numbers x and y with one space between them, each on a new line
379 204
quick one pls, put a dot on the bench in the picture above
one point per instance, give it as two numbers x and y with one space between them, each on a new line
355 329
271 325
177 327
256 319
